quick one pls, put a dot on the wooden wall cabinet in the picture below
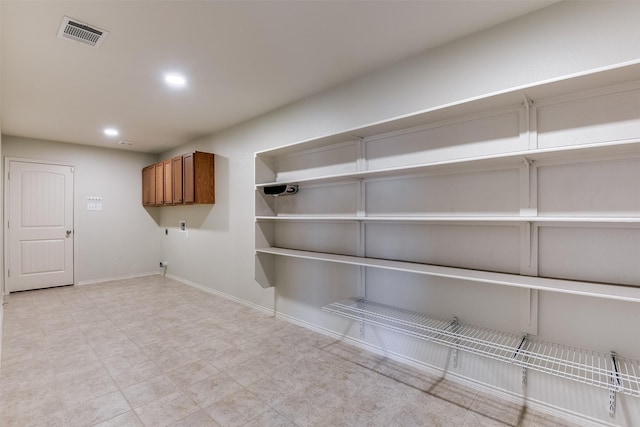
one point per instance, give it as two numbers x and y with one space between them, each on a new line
159 184
168 182
176 169
186 179
149 186
198 175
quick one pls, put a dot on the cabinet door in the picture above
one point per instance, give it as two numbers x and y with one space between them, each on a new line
176 168
149 185
168 182
159 169
198 178
203 169
188 178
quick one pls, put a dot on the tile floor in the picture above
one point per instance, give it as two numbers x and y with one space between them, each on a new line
155 352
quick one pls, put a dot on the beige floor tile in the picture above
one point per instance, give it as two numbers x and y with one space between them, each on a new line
270 418
539 419
498 410
128 419
212 389
126 375
52 419
21 369
84 384
275 389
309 407
117 349
124 359
84 358
167 410
198 419
475 419
228 358
97 410
149 391
18 350
86 355
172 360
29 403
249 372
453 393
191 373
411 415
236 409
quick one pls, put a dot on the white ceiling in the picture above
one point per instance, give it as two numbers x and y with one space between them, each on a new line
242 59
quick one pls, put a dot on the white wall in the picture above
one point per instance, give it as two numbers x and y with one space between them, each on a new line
123 239
565 38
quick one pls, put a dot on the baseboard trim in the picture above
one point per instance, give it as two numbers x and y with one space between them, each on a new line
111 279
221 294
507 395
1 322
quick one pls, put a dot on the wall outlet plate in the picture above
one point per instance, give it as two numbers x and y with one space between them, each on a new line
182 225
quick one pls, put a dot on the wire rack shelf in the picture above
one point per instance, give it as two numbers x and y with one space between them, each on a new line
606 371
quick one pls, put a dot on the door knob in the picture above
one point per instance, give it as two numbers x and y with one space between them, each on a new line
68 233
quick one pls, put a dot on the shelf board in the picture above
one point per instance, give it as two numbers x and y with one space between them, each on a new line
606 76
457 218
600 290
584 366
630 146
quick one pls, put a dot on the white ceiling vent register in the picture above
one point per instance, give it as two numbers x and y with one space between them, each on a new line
81 32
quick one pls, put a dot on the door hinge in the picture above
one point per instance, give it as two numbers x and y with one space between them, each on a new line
8 273
8 224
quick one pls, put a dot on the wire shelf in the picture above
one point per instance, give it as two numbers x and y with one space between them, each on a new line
601 370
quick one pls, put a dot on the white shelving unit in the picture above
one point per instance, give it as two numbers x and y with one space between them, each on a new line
629 146
601 290
508 189
439 219
602 370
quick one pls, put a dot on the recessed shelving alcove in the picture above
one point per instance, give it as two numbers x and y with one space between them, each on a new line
532 188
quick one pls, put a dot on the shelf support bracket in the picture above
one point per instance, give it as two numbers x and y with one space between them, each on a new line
526 183
528 103
361 323
523 377
614 384
361 161
453 326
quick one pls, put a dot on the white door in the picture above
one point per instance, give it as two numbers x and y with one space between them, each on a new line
40 226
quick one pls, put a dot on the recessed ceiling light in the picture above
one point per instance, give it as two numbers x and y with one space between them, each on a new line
175 80
111 131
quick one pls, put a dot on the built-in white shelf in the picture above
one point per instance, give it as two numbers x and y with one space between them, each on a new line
602 290
502 160
608 371
606 76
458 218
562 155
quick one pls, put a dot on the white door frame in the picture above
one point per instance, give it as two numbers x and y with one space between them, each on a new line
5 229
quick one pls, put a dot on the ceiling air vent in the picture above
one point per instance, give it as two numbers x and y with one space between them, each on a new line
78 31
